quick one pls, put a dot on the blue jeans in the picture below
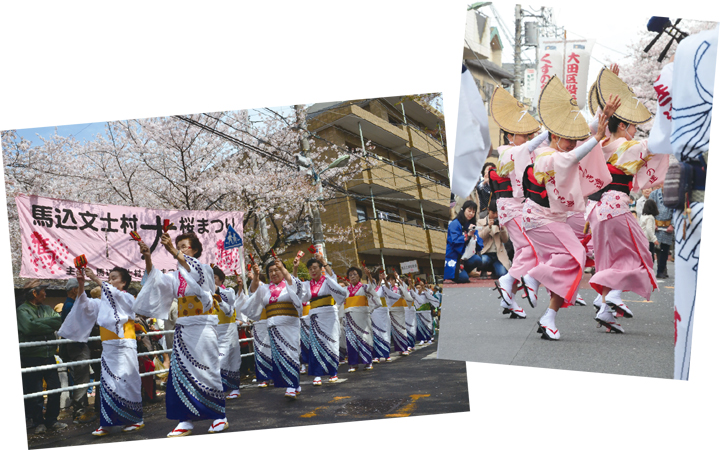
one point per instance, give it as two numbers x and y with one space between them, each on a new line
491 262
473 263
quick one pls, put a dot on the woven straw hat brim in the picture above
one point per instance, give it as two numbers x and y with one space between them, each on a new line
631 109
593 100
510 114
559 112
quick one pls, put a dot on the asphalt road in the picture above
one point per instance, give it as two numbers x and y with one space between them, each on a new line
474 329
418 384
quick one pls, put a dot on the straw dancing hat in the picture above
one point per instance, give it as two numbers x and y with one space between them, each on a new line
510 114
559 112
632 109
593 100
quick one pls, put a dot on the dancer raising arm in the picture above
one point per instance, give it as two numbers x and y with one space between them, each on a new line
279 300
194 387
120 397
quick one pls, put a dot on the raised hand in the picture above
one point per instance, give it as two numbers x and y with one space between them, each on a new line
602 124
144 249
614 68
611 106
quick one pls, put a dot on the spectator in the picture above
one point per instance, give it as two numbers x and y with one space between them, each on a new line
664 232
483 190
459 232
77 351
494 255
38 322
647 222
640 202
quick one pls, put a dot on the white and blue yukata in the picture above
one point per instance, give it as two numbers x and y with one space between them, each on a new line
261 341
688 85
194 387
323 296
381 327
424 301
282 307
228 338
397 296
359 305
120 387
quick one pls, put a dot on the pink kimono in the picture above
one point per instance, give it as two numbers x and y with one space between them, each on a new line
567 182
623 260
511 164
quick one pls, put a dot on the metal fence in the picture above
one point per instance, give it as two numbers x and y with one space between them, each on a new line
97 360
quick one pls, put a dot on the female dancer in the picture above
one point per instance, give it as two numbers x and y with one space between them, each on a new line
361 301
381 327
554 185
397 296
120 397
194 388
323 293
279 300
228 340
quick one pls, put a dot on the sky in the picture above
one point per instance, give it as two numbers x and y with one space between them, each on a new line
72 65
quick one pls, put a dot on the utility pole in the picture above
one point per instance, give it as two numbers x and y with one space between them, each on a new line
317 234
518 48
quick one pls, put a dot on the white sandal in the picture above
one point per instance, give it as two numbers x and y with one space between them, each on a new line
133 427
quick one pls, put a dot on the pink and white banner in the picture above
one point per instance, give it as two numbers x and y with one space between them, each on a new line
570 61
55 231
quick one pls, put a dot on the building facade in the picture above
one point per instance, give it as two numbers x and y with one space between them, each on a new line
399 202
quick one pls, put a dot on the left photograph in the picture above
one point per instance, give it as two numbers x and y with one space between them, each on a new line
169 270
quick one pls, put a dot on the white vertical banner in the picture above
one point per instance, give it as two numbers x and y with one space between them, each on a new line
570 61
577 65
550 62
530 83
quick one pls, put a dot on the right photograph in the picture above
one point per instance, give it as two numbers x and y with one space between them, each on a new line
578 185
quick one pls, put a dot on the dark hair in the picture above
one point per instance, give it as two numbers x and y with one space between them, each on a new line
493 206
461 216
506 139
217 271
614 122
356 270
650 208
195 243
132 291
124 275
486 165
312 261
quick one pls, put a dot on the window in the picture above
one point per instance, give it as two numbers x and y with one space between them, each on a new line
361 213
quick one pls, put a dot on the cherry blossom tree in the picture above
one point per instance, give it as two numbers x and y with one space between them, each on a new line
229 161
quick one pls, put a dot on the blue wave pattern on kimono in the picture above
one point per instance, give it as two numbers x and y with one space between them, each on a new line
304 342
187 398
115 410
381 347
230 379
263 364
358 350
401 342
286 372
424 328
322 359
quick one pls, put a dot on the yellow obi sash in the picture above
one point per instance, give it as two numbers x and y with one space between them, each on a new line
322 301
306 310
191 306
222 318
382 300
356 300
399 303
128 328
263 315
281 309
